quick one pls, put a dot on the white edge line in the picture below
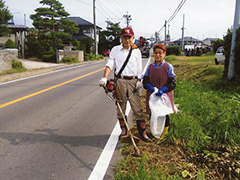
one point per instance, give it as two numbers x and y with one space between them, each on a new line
102 164
43 74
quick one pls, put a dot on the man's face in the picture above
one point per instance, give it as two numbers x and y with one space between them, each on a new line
127 41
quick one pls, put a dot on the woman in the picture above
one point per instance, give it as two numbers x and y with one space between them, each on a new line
160 74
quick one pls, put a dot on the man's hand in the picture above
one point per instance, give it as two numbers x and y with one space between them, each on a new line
138 84
103 82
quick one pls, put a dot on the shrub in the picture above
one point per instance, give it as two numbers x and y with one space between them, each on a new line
173 50
48 56
10 44
69 60
89 57
17 65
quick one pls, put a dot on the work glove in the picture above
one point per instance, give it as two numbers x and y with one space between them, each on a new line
138 84
103 82
150 87
160 92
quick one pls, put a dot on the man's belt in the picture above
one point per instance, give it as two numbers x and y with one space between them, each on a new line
127 77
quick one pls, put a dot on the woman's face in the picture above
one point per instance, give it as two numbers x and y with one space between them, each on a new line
159 55
127 41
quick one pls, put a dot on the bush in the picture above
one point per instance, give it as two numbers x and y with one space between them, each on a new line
10 44
69 60
173 50
18 66
48 56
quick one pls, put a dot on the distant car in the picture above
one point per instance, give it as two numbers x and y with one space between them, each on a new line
106 52
219 56
145 51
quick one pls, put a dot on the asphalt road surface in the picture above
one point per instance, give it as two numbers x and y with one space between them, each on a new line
54 126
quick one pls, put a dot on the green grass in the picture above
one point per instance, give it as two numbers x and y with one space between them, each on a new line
209 118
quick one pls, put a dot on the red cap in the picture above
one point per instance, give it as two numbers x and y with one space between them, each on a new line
127 32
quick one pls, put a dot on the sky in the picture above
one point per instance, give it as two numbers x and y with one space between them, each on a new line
203 18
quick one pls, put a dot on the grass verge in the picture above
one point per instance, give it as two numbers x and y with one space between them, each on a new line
203 141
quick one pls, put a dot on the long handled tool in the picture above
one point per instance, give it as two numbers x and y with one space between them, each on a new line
137 152
113 97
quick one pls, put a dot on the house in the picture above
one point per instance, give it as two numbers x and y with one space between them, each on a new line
190 44
187 40
17 35
209 41
86 28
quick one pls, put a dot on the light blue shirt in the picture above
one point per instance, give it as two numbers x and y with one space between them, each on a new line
170 69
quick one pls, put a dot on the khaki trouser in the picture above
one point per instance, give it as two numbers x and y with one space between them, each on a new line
125 88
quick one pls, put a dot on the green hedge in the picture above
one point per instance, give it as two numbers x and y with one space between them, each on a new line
69 60
173 50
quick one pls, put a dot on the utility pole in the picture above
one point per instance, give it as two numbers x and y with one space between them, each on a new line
165 32
183 33
128 18
235 27
95 29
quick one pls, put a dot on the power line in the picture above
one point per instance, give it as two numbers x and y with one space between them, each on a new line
107 8
174 14
176 11
114 6
105 12
84 2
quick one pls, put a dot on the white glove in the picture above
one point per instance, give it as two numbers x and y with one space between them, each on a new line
138 84
103 82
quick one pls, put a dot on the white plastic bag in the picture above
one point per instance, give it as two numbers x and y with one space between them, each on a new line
160 107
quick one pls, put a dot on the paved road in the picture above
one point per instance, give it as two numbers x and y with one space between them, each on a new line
54 126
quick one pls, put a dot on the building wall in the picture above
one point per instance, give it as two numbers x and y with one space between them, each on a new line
6 58
62 53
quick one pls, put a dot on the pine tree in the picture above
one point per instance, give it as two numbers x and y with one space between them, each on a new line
53 26
5 16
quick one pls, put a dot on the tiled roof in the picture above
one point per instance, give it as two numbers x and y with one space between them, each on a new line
187 39
81 22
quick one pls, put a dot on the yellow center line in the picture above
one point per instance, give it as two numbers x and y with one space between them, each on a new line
47 89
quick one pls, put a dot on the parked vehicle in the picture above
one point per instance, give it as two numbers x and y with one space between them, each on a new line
143 46
219 56
106 52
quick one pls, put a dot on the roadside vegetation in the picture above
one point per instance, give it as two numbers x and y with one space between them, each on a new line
204 137
17 66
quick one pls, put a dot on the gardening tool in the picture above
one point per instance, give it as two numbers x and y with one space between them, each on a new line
111 88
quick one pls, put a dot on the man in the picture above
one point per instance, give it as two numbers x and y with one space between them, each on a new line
127 81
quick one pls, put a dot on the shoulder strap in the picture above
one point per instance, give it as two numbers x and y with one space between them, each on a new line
125 63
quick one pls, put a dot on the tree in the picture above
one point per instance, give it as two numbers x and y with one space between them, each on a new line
109 37
53 26
5 16
216 44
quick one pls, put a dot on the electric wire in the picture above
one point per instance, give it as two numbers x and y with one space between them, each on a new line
174 14
114 6
109 10
105 12
84 2
176 11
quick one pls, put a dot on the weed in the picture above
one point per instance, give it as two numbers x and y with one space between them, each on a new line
204 136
